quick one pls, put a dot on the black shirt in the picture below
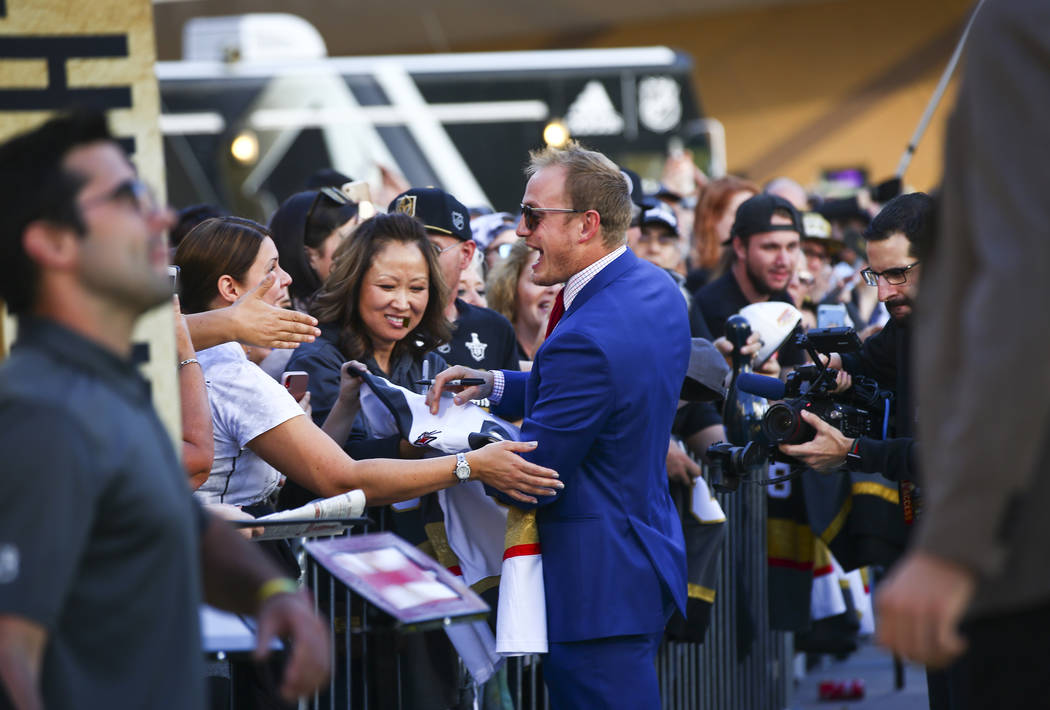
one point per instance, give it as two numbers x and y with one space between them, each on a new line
886 357
98 531
722 298
481 338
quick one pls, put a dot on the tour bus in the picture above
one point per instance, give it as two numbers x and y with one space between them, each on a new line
256 106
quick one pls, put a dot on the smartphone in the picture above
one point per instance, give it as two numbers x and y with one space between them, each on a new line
832 315
361 193
173 274
295 381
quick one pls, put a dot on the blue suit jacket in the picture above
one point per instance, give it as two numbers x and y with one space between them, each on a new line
600 400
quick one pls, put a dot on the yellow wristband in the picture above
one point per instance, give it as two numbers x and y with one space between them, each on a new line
275 586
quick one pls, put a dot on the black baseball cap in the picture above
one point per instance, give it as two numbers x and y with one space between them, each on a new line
438 211
755 215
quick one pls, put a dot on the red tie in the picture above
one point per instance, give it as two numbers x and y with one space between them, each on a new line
556 312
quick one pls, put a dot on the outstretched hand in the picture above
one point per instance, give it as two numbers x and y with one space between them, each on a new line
265 325
825 451
499 465
291 616
463 394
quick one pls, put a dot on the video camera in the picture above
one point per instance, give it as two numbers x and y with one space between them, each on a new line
859 411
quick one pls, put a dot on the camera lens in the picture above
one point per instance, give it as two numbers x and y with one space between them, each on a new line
783 425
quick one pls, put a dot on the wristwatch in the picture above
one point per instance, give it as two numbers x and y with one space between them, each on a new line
853 456
462 468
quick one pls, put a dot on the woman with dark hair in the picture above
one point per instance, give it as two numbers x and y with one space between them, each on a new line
525 304
261 432
715 212
382 306
307 228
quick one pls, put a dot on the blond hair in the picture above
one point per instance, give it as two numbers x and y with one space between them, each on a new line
592 182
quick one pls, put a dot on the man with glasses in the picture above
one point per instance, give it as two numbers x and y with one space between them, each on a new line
481 337
600 400
104 555
894 237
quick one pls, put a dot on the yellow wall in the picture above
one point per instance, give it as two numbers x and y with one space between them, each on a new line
804 87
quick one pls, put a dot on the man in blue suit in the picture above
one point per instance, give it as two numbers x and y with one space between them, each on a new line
600 399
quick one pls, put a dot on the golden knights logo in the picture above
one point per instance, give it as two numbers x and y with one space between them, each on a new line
406 204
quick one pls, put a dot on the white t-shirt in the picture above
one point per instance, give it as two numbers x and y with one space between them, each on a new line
245 402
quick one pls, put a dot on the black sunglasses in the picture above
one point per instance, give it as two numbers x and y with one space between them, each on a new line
532 215
132 192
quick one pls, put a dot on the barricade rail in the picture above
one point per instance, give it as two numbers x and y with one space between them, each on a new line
708 676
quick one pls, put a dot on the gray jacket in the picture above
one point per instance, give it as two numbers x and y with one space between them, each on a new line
982 378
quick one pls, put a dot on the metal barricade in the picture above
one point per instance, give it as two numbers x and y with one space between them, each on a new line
714 675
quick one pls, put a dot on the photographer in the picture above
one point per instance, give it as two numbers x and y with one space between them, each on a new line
895 235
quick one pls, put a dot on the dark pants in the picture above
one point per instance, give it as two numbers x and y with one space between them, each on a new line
608 673
1006 665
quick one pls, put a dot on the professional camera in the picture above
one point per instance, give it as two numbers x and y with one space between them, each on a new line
862 410
858 411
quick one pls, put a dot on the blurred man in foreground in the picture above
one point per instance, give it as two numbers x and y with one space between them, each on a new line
103 554
983 390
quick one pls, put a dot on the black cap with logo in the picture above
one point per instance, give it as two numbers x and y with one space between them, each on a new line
438 211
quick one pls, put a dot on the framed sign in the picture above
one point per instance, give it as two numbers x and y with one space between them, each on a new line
399 579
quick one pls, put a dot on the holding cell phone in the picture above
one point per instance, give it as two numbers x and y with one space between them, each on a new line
296 381
173 274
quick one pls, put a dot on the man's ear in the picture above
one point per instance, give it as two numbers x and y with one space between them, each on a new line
51 245
590 226
466 254
740 249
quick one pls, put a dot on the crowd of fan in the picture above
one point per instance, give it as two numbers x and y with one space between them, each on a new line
408 288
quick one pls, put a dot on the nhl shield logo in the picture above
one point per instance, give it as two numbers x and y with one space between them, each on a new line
457 220
407 205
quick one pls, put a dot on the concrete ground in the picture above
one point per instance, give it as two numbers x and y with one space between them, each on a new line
875 666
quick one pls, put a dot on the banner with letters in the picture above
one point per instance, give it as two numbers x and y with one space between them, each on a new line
58 53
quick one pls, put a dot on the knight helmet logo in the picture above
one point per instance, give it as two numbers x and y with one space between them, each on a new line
407 205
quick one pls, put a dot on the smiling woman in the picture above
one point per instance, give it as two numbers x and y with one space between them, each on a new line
381 305
260 432
221 259
525 304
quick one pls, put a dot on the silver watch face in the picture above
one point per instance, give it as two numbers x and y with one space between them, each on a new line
462 469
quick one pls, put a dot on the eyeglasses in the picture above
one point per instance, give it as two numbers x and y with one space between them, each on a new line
532 215
894 277
664 239
132 192
439 250
816 253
